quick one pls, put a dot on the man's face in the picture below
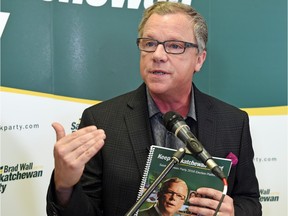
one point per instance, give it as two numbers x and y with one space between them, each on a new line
170 74
172 199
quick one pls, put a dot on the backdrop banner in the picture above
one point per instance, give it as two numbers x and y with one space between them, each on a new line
59 57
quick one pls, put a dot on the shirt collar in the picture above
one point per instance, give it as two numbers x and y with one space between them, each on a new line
153 109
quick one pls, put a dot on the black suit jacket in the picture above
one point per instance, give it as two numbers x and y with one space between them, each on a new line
111 180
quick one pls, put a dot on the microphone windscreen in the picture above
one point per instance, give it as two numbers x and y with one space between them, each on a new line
170 118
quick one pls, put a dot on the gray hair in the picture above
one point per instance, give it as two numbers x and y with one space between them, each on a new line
198 22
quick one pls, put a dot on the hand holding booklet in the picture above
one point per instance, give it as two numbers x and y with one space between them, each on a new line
190 171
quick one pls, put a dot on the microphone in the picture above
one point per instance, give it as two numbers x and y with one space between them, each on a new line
175 123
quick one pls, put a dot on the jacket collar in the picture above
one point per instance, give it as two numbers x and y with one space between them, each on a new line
138 126
205 119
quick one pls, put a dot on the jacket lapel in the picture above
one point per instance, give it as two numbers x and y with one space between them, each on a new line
206 120
138 126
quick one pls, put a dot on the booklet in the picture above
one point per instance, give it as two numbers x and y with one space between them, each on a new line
192 171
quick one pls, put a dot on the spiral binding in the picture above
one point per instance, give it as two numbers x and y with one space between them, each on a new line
146 171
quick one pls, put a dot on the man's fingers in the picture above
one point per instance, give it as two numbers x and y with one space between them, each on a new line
79 145
59 129
60 132
87 151
210 193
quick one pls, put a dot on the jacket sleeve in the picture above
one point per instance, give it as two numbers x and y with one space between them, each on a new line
245 192
79 203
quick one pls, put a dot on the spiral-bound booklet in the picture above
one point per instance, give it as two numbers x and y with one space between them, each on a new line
192 171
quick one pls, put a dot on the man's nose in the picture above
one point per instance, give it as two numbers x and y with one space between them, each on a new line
172 196
160 53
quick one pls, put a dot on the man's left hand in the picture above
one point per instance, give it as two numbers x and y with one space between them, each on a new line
206 203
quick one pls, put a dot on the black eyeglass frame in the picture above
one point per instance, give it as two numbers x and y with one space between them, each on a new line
186 45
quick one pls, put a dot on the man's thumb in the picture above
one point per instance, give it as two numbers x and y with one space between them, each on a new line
59 129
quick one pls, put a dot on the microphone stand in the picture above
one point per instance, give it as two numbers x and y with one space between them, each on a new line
176 158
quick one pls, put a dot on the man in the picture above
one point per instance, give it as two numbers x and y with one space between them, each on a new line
171 197
92 178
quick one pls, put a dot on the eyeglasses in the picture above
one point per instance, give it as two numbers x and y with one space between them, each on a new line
178 195
170 46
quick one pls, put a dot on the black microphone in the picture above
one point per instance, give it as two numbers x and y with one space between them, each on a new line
175 123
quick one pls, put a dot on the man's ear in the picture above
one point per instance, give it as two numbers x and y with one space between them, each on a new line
200 60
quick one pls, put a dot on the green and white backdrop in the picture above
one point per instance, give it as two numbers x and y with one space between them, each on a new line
61 56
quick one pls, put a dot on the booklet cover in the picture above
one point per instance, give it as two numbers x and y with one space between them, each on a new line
192 171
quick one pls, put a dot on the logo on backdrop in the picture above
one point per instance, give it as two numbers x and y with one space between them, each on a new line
75 125
18 127
267 195
18 172
131 4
